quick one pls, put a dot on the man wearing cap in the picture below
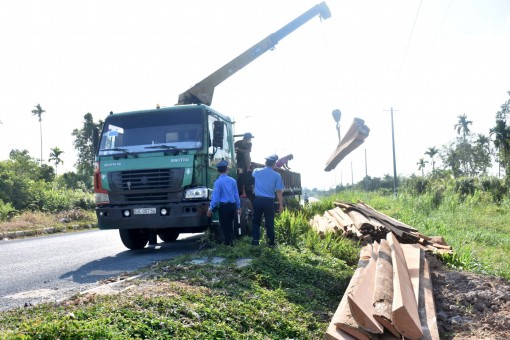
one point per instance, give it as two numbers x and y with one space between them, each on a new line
226 197
243 149
268 183
243 158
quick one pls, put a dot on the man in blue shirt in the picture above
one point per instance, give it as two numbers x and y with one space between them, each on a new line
268 183
225 196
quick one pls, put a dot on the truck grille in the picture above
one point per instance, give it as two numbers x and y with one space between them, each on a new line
148 185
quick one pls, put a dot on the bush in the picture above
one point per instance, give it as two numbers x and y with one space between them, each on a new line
465 186
292 204
437 191
290 227
6 211
494 186
417 185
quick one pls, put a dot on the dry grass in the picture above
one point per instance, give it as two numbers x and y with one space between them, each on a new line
38 220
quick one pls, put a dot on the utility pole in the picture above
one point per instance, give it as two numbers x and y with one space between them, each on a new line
394 161
352 177
336 116
366 171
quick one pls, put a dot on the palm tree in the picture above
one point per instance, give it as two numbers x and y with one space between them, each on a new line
38 111
55 157
462 126
432 152
501 141
483 141
421 166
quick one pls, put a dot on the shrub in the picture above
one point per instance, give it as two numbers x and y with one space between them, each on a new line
290 227
417 185
437 192
494 186
6 211
465 186
292 204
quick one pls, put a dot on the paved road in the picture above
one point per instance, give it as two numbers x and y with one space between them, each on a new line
50 268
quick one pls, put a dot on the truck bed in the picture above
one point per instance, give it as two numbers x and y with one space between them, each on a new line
291 180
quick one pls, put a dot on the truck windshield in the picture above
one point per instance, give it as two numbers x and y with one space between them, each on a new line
150 131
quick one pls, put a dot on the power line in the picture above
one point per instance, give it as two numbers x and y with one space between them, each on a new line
443 19
409 40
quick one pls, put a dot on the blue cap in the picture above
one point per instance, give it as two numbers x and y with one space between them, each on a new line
248 135
222 164
272 158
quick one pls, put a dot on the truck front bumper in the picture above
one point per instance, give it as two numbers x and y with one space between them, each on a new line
186 215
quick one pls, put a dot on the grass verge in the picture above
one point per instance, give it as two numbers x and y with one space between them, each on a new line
284 292
37 223
287 292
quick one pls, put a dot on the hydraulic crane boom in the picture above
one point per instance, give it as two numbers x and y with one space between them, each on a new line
203 91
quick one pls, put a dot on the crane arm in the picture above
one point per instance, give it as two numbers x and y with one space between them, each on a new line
203 91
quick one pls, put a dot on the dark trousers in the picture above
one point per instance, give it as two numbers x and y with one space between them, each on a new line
263 206
227 214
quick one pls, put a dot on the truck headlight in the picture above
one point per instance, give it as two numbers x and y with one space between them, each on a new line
196 193
101 198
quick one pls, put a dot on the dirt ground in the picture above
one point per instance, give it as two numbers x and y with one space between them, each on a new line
470 306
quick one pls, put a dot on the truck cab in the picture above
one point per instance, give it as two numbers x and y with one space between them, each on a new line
155 170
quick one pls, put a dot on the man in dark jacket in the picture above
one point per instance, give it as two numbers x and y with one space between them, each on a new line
243 158
243 150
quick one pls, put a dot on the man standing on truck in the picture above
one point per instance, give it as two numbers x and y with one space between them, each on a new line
225 196
243 150
243 158
267 183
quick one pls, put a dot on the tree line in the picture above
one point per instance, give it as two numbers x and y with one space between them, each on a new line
28 183
472 154
462 164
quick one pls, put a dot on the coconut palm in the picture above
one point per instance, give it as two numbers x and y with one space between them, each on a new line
38 111
462 126
501 135
55 157
432 152
421 166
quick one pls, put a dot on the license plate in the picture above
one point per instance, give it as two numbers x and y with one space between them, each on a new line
144 211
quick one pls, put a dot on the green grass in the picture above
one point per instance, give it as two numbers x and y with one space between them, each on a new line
291 291
476 227
284 293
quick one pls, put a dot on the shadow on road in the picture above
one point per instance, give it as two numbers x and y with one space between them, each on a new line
131 260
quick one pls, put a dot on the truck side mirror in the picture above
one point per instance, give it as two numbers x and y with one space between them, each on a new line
218 128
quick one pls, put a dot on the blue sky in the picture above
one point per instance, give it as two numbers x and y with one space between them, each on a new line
430 60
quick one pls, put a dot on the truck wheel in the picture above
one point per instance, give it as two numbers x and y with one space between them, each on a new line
168 235
134 238
246 216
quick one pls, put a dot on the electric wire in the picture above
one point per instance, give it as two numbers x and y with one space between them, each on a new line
409 40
